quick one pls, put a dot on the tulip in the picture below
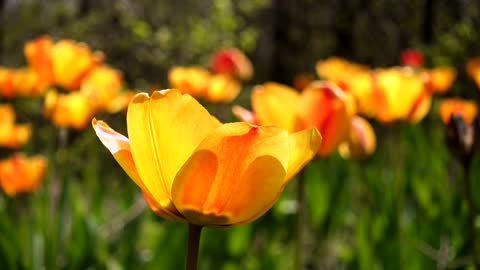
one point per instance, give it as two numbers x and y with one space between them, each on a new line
361 142
233 62
101 86
21 174
73 110
412 57
12 135
473 69
192 168
199 83
400 95
64 63
466 109
321 105
439 80
338 70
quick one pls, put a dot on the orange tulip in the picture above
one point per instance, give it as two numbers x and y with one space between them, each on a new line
321 105
199 83
473 69
233 62
400 95
21 174
64 63
439 80
68 110
11 134
467 109
7 87
193 168
361 142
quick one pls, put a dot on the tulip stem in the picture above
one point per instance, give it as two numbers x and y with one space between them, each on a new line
300 243
471 214
193 244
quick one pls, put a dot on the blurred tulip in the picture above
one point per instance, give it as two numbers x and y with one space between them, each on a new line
11 134
466 109
361 142
7 88
68 110
321 105
21 174
473 69
189 80
64 63
411 57
233 62
439 80
199 83
400 95
463 127
337 69
19 82
193 168
101 86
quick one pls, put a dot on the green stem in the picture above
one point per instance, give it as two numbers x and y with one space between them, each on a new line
194 232
471 214
300 226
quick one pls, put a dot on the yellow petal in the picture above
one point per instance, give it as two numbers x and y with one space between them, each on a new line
276 104
234 176
164 129
304 145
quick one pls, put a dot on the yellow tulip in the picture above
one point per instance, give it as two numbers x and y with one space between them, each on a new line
21 174
68 110
400 95
101 85
192 168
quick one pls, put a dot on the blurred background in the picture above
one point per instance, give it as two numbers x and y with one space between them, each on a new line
401 208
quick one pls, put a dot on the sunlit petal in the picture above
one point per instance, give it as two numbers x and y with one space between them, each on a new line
164 129
234 176
304 145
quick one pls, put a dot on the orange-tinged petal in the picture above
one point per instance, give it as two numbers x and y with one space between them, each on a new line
233 62
304 145
276 104
69 110
164 129
234 176
328 108
39 55
421 107
468 109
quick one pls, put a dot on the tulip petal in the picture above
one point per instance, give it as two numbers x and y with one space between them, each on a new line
234 176
304 145
276 104
164 130
119 146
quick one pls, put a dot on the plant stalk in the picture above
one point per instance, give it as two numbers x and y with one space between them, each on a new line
194 232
